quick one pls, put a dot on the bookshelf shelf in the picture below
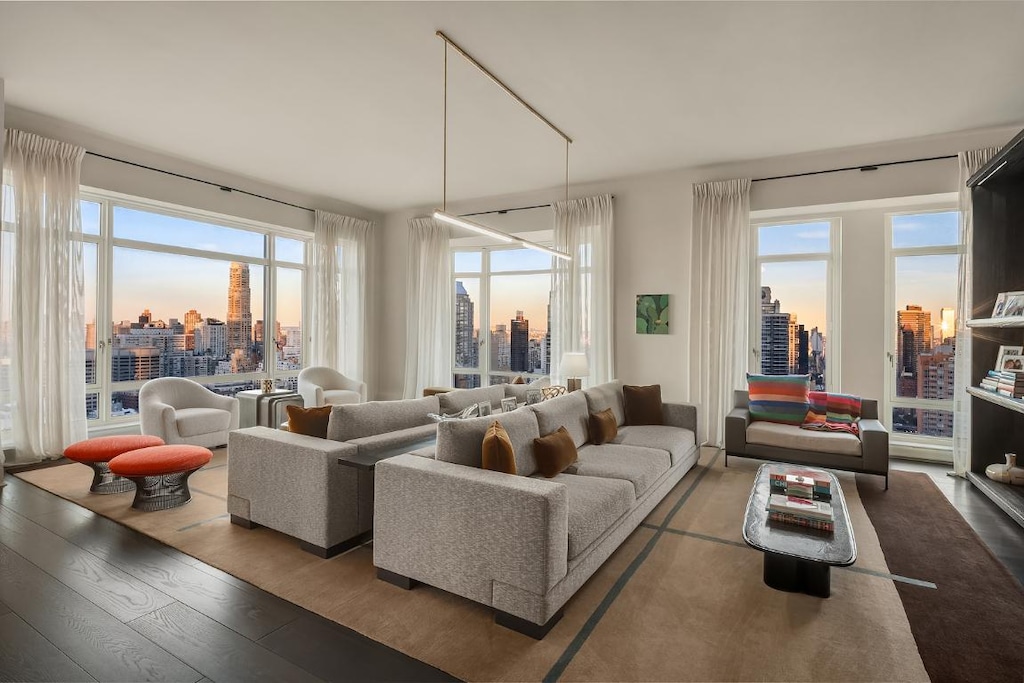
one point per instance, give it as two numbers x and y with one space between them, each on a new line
1015 321
992 397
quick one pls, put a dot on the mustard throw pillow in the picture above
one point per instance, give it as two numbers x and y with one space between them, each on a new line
309 421
496 452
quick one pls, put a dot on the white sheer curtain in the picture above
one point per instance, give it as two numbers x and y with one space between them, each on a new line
970 163
42 296
719 301
581 289
429 325
338 270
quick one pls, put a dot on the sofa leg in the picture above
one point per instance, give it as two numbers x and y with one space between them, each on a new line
337 548
886 481
403 582
524 626
244 523
727 458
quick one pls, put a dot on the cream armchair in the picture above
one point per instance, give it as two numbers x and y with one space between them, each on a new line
179 410
321 385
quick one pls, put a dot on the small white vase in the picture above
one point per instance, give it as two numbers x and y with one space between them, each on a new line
1007 473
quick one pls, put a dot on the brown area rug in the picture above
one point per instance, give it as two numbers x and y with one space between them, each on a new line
972 627
681 600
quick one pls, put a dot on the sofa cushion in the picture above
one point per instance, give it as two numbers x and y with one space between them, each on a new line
642 405
594 504
569 411
497 453
794 438
843 408
554 452
460 399
461 441
309 421
603 428
339 397
635 464
398 441
196 421
778 398
518 391
377 417
605 396
676 440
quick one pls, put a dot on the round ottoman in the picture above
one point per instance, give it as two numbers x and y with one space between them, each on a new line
96 453
161 474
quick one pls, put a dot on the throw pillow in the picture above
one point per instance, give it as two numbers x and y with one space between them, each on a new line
843 408
496 452
778 398
642 404
554 452
519 380
309 421
603 428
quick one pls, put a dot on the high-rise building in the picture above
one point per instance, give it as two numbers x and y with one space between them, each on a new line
500 356
239 322
211 338
775 336
192 318
546 367
466 352
519 348
935 376
134 364
947 326
914 337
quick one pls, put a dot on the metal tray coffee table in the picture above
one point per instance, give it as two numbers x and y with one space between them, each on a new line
798 559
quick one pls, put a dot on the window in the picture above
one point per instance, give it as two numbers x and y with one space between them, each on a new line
177 293
794 323
502 315
923 262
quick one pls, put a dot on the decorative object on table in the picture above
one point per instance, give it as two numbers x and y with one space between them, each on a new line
574 366
813 484
268 386
552 391
534 396
813 514
1011 362
1007 351
652 313
1007 473
509 404
483 408
1009 305
465 413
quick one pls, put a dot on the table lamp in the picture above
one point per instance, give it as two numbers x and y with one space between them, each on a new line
574 366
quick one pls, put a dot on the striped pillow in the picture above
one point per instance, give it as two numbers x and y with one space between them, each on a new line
778 398
843 409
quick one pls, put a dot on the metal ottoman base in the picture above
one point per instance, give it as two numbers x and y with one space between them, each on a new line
162 491
105 481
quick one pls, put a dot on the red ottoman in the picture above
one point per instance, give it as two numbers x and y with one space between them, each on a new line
161 474
96 453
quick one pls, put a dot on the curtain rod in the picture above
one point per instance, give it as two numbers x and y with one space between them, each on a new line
866 167
224 188
514 208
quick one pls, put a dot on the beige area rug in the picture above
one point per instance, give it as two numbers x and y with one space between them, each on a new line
681 599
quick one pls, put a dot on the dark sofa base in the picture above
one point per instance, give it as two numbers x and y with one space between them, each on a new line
796 461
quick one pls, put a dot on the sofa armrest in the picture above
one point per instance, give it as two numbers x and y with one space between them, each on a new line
736 423
462 528
683 415
874 442
157 419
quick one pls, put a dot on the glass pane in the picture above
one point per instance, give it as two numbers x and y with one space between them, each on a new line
290 383
92 406
505 260
923 422
181 232
466 381
90 217
501 379
793 325
926 229
925 326
286 345
793 238
287 249
467 323
520 316
183 316
468 261
89 266
124 403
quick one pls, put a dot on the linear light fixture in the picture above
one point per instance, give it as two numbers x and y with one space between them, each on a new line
554 252
475 227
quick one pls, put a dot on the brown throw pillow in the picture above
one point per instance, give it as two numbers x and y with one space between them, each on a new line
497 453
309 421
603 428
642 404
554 452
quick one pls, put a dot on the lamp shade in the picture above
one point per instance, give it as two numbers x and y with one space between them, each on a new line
575 365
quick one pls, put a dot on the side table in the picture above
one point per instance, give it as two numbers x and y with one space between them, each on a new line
259 409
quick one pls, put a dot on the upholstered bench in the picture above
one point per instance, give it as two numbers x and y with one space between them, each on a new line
161 474
97 453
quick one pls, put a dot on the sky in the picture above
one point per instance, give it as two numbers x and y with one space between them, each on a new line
509 293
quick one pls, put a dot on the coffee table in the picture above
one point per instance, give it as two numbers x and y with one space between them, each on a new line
798 559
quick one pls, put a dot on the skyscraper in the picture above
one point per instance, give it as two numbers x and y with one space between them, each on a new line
947 326
914 337
192 318
466 353
500 359
777 351
239 321
519 349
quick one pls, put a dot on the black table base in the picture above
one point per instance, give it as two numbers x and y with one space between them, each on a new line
786 573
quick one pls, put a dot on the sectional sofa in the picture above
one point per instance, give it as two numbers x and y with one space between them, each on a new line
523 544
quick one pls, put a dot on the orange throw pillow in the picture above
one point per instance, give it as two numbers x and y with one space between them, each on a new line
554 452
603 428
642 404
496 452
309 421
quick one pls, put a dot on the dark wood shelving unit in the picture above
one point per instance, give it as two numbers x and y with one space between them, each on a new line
997 423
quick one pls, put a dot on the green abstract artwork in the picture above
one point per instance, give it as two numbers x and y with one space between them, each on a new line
652 314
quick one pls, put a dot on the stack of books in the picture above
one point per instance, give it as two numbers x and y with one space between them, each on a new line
813 514
810 484
1009 384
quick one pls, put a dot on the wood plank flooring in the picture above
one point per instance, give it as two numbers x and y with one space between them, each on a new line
84 598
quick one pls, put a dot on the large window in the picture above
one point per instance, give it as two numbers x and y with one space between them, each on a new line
178 293
794 321
924 251
502 315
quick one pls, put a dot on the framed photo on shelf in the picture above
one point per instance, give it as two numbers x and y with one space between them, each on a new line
1012 362
997 310
534 396
1007 351
1013 306
509 404
483 408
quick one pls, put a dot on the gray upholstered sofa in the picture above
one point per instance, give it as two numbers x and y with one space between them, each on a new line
524 544
868 452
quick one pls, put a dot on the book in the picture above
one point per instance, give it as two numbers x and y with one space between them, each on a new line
801 507
801 521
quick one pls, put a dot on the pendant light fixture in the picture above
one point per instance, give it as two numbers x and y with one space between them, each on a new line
442 213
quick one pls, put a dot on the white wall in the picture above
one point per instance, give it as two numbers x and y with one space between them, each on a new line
652 249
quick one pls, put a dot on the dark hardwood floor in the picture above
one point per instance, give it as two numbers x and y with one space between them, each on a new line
83 598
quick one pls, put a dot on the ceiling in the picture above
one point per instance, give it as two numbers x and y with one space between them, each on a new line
344 99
